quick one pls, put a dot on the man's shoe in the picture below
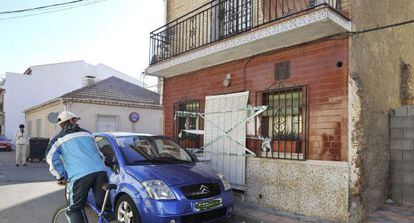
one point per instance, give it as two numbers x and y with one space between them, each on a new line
24 164
17 165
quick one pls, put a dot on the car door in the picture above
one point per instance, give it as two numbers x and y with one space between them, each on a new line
111 161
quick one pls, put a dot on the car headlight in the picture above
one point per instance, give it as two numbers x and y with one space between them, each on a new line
225 182
158 190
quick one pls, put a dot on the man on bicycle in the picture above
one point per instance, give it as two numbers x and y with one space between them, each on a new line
74 157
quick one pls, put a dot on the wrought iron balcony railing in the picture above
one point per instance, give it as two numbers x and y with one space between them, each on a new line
221 19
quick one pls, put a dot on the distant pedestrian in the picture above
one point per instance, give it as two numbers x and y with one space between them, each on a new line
21 140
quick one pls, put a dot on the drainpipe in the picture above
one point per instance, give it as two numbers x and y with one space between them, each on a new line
161 92
161 89
245 72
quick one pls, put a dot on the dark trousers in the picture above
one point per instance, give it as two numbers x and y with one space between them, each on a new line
78 194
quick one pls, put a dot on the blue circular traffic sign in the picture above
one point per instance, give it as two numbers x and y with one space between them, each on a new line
134 117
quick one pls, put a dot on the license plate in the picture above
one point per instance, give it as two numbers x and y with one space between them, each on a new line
3 147
207 205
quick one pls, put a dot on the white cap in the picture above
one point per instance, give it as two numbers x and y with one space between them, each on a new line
65 116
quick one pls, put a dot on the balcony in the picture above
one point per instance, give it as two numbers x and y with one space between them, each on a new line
227 30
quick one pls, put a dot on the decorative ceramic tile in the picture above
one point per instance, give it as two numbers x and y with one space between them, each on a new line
324 14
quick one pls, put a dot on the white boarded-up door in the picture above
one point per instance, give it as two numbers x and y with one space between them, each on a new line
223 112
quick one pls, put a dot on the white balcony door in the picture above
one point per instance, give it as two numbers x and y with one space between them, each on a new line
227 156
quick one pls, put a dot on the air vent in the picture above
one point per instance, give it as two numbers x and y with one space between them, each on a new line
282 71
312 3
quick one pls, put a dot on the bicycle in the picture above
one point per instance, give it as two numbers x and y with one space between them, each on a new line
61 217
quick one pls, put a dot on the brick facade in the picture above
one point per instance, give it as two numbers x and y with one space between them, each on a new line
314 65
177 8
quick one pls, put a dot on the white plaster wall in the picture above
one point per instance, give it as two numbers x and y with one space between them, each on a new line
45 83
150 119
48 130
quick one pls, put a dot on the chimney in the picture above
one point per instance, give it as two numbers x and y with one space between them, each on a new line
88 80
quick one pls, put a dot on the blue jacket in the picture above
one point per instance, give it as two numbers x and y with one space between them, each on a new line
74 154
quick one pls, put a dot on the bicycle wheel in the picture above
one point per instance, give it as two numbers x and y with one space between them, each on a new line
60 215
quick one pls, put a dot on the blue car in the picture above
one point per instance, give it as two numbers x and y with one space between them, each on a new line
159 181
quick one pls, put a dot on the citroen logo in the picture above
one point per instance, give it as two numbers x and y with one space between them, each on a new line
204 189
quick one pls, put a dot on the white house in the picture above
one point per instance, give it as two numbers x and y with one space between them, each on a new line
42 83
108 105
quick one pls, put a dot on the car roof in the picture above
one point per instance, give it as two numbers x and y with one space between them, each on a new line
123 134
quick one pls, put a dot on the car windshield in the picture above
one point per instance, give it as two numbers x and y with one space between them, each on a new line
3 138
152 149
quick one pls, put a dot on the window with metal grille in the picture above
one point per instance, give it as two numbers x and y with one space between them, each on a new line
285 123
185 121
231 17
107 123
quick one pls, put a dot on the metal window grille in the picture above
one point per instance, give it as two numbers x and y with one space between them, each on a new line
107 123
220 19
285 123
231 17
187 122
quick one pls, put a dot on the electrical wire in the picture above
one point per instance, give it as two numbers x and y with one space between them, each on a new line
41 7
54 9
383 27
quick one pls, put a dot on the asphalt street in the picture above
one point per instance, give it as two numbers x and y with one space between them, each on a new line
27 194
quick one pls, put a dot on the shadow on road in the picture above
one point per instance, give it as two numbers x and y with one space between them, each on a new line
38 210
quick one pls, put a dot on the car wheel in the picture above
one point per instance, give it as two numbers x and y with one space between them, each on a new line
126 211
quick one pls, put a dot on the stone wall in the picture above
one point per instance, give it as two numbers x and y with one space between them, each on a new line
402 155
313 188
380 62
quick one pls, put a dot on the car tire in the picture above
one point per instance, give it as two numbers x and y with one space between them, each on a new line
127 205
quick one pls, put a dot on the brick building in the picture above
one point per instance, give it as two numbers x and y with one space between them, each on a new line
316 68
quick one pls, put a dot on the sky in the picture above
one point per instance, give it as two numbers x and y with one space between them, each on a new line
112 32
